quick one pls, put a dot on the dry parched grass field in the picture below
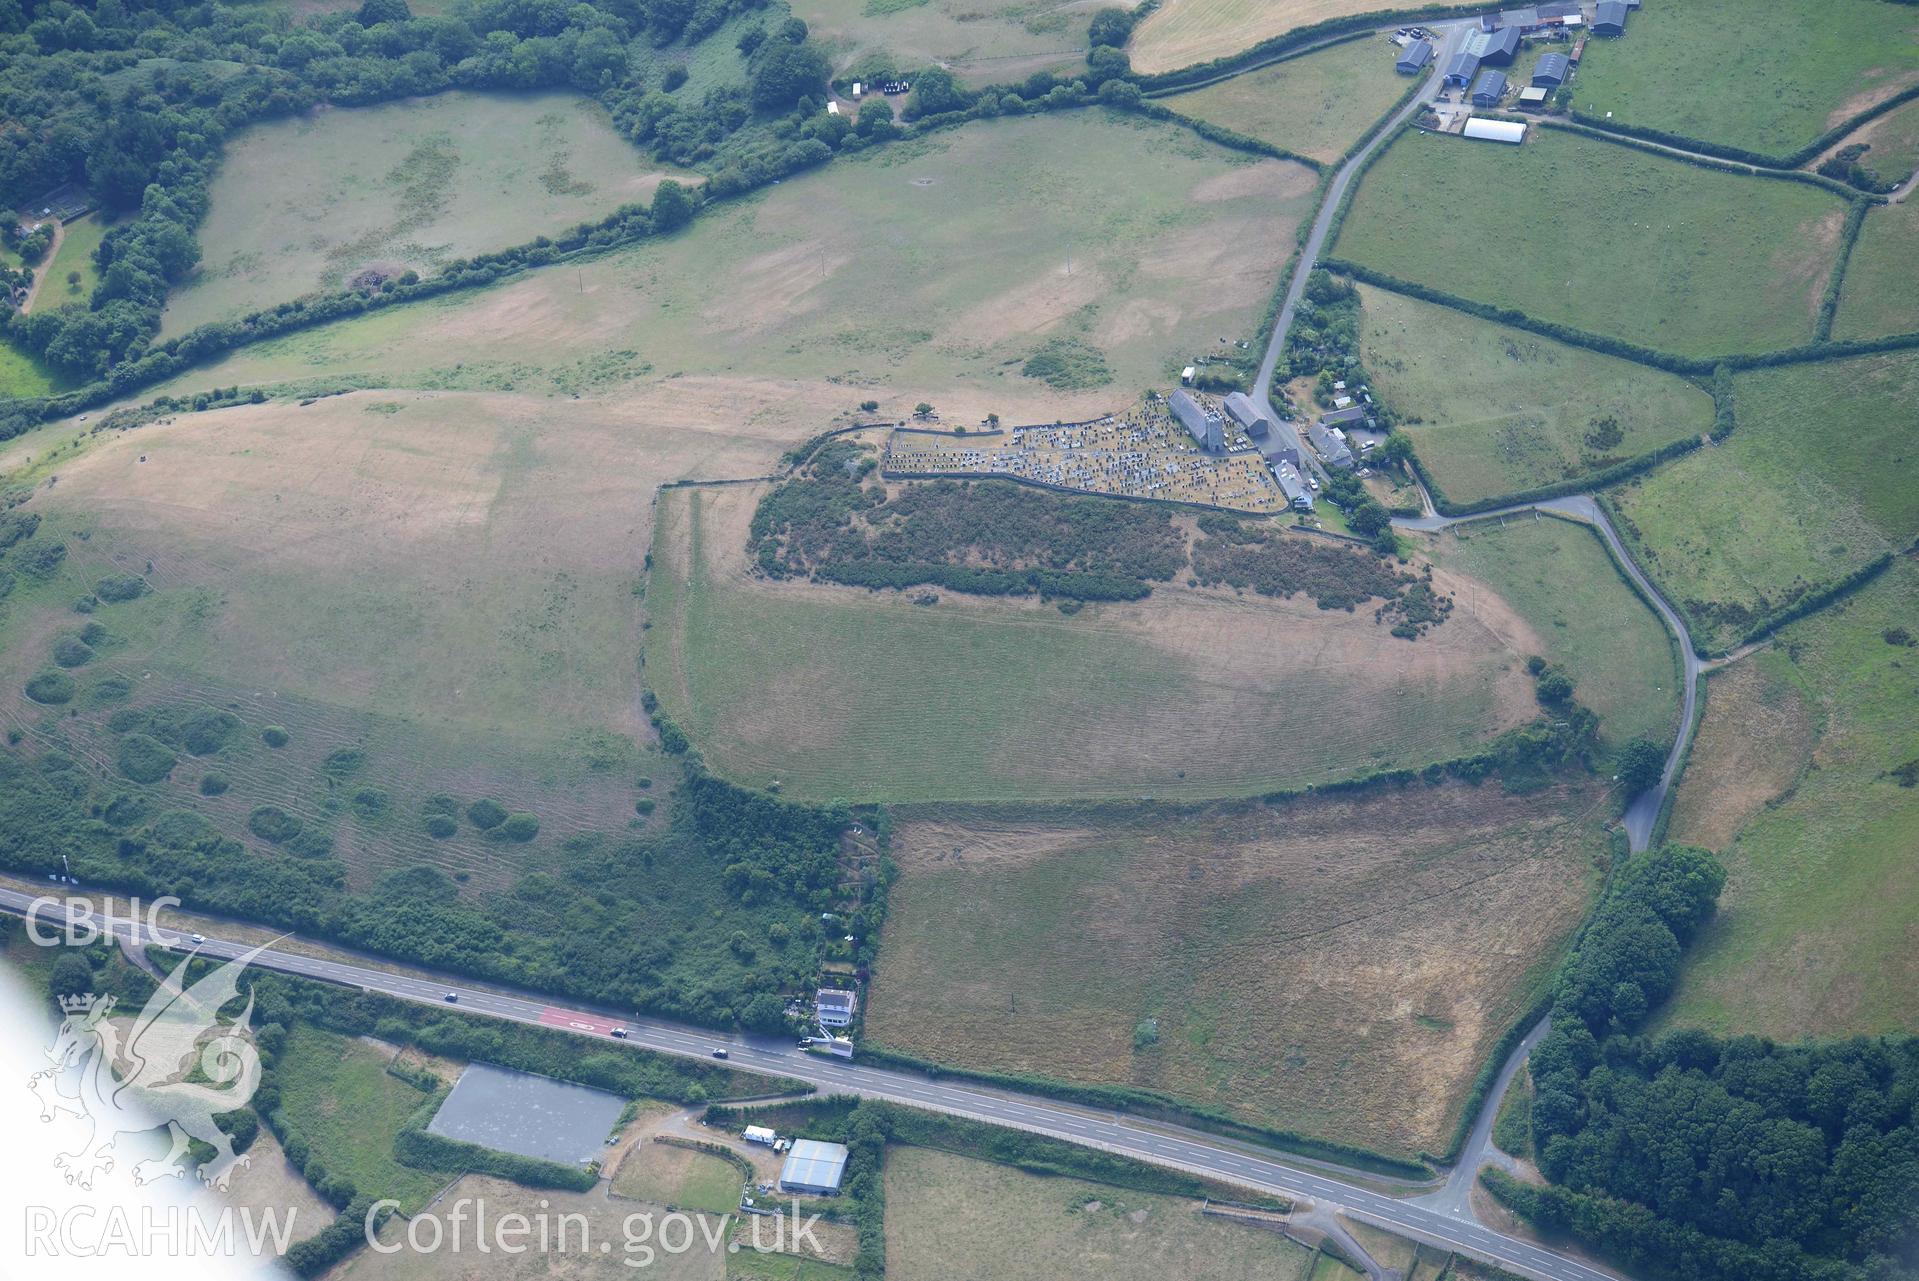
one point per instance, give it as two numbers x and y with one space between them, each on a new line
1337 966
1316 105
1755 741
841 692
952 1218
1181 32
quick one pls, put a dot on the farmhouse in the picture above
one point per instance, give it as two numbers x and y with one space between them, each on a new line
1552 71
1489 88
1292 486
1415 58
1330 441
1609 19
1247 414
1495 130
1202 426
814 1167
835 1007
1502 47
1461 70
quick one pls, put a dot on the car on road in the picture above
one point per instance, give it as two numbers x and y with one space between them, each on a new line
720 1054
198 939
619 1032
453 997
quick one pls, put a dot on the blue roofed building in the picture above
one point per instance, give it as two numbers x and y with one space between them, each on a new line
1461 70
1416 56
1489 88
1552 71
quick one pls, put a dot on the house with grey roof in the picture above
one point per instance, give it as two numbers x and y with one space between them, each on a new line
1519 19
1204 427
1552 71
1415 57
1330 441
1244 412
1291 484
1502 47
1461 70
1609 19
1489 88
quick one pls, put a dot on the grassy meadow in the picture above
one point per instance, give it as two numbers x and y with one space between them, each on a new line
1179 33
1317 105
678 1177
1659 253
995 42
301 205
78 240
22 375
1768 78
1336 966
1559 578
838 692
337 1093
1881 291
1015 1226
1737 531
1495 410
924 271
1815 934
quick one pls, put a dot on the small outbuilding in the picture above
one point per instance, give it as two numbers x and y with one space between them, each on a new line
1512 131
1609 19
1461 70
814 1167
1415 57
1489 88
1552 71
1502 47
1533 99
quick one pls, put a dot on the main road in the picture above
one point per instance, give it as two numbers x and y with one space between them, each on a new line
1429 1220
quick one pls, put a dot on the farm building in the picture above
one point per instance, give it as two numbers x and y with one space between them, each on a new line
814 1167
1330 441
1495 130
1415 58
1247 414
1561 13
1461 70
1203 427
1344 416
1552 71
835 1007
1293 486
1502 47
1489 88
1519 19
1609 19
1533 99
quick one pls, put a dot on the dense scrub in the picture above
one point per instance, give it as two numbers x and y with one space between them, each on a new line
1690 1156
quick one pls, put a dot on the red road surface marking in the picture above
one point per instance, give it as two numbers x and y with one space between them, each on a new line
558 1017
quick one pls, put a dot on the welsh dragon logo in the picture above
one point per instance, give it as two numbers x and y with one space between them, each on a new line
177 1065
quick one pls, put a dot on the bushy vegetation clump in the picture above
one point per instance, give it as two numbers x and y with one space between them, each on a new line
145 759
271 823
51 688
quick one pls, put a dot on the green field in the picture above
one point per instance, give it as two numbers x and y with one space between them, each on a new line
920 271
336 1092
1815 932
302 205
1881 293
838 692
1655 252
1558 576
952 1218
1494 410
78 240
1339 967
1736 532
680 1178
1317 105
21 374
981 41
1768 78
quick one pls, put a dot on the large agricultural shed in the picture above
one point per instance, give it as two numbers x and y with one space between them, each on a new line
1495 130
1489 88
814 1167
1609 19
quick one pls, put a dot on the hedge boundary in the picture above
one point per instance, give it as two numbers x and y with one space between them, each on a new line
1666 151
1836 284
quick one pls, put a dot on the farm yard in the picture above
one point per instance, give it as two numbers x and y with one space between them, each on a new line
309 203
1815 930
1340 967
1315 105
895 276
1765 78
1739 531
1881 292
1715 263
1020 1226
1494 410
1179 33
996 42
841 692
1557 576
